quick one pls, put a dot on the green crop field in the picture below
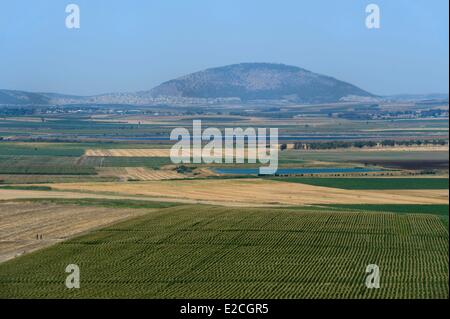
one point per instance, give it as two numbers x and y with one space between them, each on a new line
41 149
31 188
440 210
112 203
43 165
361 157
47 179
216 252
73 126
372 183
47 170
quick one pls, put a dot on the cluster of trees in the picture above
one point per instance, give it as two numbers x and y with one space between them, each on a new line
363 144
434 113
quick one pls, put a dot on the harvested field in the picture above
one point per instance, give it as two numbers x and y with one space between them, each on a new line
141 174
258 191
20 223
14 194
241 153
150 162
128 152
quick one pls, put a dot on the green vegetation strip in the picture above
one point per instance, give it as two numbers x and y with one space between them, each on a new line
217 252
111 203
47 170
44 165
44 149
28 188
371 183
441 210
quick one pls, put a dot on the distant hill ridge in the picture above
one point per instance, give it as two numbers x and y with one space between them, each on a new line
245 82
11 97
259 81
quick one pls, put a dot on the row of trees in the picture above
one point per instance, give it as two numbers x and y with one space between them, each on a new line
366 144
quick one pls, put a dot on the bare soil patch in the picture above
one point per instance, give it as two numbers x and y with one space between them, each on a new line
23 224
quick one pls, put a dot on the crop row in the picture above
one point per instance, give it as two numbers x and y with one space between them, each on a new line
210 252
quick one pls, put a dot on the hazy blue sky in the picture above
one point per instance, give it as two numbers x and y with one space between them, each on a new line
130 45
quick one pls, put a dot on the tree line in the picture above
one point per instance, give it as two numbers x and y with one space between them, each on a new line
364 144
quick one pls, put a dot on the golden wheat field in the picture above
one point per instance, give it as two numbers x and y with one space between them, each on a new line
128 152
241 153
257 191
140 174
